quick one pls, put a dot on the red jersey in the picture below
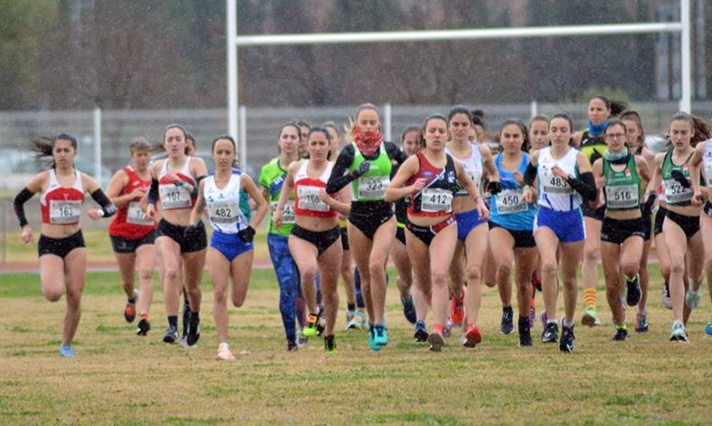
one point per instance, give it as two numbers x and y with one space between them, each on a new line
176 197
60 205
129 221
307 202
435 199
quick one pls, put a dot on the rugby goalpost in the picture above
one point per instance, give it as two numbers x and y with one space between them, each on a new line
234 41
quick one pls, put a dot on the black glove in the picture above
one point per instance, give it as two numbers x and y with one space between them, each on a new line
494 187
191 232
647 207
362 170
680 178
247 234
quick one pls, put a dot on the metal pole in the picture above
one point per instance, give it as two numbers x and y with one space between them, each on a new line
533 108
450 35
243 138
686 52
387 122
232 97
97 144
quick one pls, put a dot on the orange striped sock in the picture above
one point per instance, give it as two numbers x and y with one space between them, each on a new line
589 296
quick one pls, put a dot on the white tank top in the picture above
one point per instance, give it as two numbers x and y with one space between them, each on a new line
473 166
554 192
224 204
707 163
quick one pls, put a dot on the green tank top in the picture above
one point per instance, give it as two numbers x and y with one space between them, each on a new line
622 189
676 194
272 178
372 185
592 147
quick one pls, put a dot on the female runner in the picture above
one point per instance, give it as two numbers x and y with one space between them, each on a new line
62 252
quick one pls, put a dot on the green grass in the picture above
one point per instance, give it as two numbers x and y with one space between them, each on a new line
119 378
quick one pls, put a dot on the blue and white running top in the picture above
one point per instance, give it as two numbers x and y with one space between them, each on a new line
707 163
509 210
473 167
554 192
224 204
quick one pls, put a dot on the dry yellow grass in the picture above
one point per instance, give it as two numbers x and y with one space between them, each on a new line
119 378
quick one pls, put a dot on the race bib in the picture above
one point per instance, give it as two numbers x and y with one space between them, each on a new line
136 216
556 185
676 193
436 200
309 199
510 201
622 197
224 212
373 187
174 197
64 212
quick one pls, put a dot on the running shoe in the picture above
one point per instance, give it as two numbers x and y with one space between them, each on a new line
302 340
67 351
144 326
621 334
641 322
186 318
678 332
224 353
321 324
421 335
457 309
667 301
381 337
708 327
532 316
372 339
436 342
349 317
633 290
447 331
330 344
525 335
551 333
507 325
310 329
358 322
472 337
292 346
692 298
590 317
130 309
193 329
171 335
409 309
566 344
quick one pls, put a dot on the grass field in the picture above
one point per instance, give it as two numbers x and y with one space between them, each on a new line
119 378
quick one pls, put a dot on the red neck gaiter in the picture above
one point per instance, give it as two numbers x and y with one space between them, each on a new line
368 142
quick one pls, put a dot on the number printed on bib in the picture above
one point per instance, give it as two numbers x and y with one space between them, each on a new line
373 187
64 211
136 216
436 200
309 199
556 185
622 197
510 201
676 193
224 212
174 197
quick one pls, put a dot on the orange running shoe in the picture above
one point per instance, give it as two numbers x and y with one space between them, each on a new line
472 337
457 309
